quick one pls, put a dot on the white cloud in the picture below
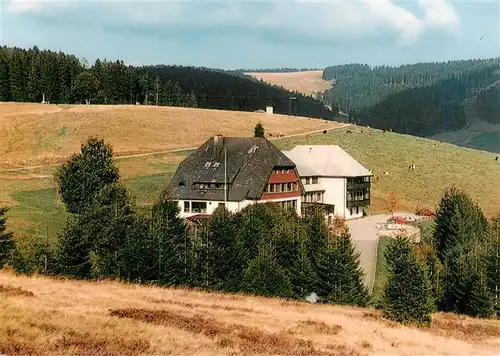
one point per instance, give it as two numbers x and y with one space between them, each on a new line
317 19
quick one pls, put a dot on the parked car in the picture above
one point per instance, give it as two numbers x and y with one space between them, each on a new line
421 211
398 220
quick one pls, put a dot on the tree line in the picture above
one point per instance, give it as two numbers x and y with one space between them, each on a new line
262 250
487 104
35 75
421 99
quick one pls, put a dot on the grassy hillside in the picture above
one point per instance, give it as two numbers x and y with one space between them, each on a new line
36 211
306 82
41 316
35 134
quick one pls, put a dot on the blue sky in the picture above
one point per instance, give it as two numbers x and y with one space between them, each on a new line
256 34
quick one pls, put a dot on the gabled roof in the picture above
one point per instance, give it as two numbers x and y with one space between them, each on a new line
250 162
325 160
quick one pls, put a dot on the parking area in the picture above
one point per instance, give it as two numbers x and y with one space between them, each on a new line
364 234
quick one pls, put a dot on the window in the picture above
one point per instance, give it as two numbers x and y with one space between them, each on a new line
272 188
308 180
314 180
198 207
289 204
253 149
216 164
318 197
289 187
283 187
207 165
187 207
294 187
283 171
182 184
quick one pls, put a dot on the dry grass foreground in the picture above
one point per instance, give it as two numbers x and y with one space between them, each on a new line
37 134
307 82
46 316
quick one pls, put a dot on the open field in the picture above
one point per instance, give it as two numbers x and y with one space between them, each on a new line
35 134
307 82
35 210
42 316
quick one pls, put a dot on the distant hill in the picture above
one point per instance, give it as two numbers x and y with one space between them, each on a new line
35 75
306 82
487 104
422 99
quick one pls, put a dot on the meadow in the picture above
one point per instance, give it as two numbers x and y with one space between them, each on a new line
306 82
43 316
38 134
35 209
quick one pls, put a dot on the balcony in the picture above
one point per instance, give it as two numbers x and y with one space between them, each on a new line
355 203
358 186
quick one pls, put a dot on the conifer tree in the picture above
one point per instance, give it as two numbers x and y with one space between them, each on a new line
5 90
256 222
317 233
172 261
465 289
6 239
288 239
493 261
459 221
339 276
72 257
407 295
459 237
259 130
264 276
228 255
435 271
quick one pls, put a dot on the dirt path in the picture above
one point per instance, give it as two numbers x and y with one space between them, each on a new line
24 168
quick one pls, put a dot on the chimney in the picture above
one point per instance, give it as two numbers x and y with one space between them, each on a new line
218 144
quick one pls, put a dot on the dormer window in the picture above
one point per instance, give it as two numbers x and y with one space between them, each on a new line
253 149
207 165
216 164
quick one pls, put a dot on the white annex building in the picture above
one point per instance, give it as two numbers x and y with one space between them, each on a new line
333 178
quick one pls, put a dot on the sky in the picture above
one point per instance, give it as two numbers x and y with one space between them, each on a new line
256 34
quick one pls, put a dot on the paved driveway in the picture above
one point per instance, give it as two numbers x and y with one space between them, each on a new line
365 239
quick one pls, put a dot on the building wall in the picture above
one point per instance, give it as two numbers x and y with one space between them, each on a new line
233 206
335 190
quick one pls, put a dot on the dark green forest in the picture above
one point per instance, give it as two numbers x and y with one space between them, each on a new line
420 99
487 104
34 75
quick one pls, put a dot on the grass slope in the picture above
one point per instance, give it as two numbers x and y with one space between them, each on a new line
42 316
438 165
35 134
305 82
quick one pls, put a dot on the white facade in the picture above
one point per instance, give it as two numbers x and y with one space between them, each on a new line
333 191
324 172
190 208
269 110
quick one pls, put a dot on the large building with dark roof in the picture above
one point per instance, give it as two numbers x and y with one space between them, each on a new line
235 172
